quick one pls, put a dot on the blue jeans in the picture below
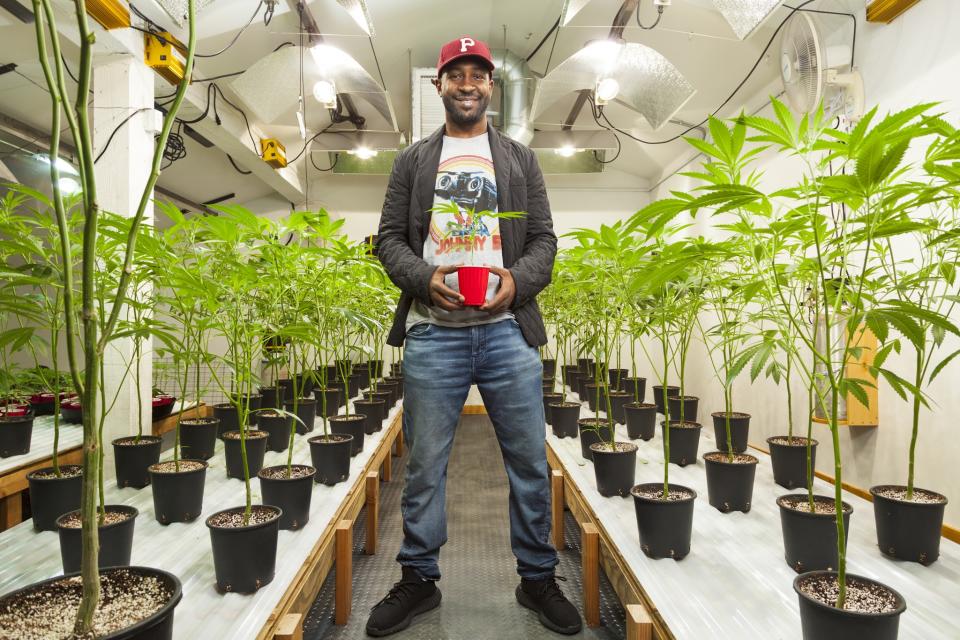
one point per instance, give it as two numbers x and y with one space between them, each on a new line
439 365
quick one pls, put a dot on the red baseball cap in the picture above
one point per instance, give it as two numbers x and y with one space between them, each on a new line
461 48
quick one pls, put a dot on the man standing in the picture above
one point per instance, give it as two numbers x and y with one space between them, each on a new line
450 346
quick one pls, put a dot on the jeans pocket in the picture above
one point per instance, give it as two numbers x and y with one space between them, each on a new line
420 330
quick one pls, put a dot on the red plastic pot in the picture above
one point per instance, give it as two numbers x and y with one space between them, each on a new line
473 285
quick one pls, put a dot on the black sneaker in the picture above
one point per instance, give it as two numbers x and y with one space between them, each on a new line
408 598
555 611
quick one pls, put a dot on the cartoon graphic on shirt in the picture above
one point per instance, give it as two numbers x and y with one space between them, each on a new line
470 182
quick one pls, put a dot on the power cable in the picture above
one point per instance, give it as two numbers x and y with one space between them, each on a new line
243 172
116 129
544 39
235 38
336 159
243 114
655 22
383 83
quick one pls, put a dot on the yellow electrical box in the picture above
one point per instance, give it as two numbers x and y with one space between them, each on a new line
274 153
158 54
111 14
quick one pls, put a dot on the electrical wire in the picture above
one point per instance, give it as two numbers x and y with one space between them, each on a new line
235 38
655 22
595 110
336 158
555 26
307 142
383 83
853 44
736 90
243 114
116 129
243 172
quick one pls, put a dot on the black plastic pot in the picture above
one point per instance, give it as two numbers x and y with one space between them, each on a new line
132 460
568 371
306 411
71 412
352 426
616 377
820 621
50 498
636 387
658 395
198 438
244 558
286 387
270 398
547 384
615 469
549 398
15 435
909 530
391 387
380 395
549 367
253 403
42 404
730 484
565 417
363 376
585 365
684 442
590 433
739 430
116 541
665 526
582 382
689 404
256 445
157 626
333 401
374 412
291 495
619 399
376 368
399 381
641 420
790 461
354 382
341 393
277 427
396 368
810 539
178 496
331 457
592 399
226 413
162 406
573 380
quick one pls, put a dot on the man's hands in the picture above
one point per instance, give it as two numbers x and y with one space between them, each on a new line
507 291
446 298
442 295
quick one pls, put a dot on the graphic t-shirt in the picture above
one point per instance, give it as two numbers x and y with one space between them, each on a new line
465 176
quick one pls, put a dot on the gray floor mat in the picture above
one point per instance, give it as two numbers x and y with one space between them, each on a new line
479 570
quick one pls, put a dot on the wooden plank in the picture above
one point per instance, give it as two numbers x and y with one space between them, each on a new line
639 624
11 511
590 543
290 627
399 444
387 468
169 423
373 512
15 480
556 507
343 597
304 588
887 10
474 410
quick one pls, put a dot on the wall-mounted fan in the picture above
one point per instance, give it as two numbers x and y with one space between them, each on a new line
813 72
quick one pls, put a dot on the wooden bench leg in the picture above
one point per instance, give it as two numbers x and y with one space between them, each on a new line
591 574
556 505
373 512
399 443
11 511
387 468
639 624
343 598
290 627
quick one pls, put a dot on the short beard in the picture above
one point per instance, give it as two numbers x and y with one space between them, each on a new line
450 104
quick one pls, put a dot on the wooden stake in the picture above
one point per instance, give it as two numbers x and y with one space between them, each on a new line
343 598
290 627
399 443
373 512
639 624
591 574
556 504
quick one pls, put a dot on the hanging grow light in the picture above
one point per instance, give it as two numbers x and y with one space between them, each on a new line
744 16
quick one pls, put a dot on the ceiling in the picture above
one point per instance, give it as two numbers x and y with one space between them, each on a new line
691 34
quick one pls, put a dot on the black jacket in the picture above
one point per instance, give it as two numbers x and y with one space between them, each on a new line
529 243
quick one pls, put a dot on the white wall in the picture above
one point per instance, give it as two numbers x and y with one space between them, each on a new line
914 59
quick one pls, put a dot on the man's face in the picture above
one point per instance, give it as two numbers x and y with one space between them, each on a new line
465 87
